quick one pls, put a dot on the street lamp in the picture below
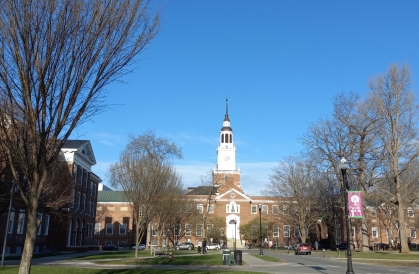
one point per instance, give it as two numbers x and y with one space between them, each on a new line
343 166
260 228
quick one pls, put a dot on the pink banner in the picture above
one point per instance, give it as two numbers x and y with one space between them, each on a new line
355 207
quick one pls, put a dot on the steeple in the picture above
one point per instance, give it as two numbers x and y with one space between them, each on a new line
226 123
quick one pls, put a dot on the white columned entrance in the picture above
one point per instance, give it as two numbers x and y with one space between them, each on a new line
233 231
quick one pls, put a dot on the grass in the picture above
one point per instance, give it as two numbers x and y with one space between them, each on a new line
130 254
214 259
269 259
69 270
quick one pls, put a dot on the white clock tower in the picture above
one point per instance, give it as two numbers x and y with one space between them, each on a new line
226 151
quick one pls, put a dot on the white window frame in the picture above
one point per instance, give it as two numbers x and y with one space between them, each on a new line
374 232
46 224
297 233
97 228
275 231
188 229
73 194
410 213
20 223
153 230
275 209
286 209
265 209
286 231
123 229
109 226
199 230
200 208
253 209
211 208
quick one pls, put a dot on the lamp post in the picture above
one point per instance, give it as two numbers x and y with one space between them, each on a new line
235 231
343 166
260 228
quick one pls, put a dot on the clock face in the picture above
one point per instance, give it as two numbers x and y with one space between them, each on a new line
226 158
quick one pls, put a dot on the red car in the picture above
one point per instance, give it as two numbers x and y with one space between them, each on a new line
303 248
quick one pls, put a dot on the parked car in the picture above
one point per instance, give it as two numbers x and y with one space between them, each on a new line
303 248
380 246
213 246
140 247
110 247
185 245
341 246
320 246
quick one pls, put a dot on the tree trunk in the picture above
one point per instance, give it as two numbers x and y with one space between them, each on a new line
364 234
31 228
403 238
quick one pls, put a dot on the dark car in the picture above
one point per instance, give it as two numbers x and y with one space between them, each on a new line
185 245
110 247
342 246
140 247
380 246
303 249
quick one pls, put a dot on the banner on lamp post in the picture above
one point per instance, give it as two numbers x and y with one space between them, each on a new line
355 207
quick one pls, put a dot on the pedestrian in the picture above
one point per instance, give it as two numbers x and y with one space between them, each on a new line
316 245
204 246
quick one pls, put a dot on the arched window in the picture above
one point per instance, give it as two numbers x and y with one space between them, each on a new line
226 138
222 138
231 138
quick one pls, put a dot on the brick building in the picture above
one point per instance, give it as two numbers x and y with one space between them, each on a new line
68 227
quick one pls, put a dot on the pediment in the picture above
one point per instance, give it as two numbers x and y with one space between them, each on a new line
233 194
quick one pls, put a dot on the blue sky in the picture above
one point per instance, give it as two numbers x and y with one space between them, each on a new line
279 63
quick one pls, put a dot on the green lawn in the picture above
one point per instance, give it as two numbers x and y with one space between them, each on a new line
214 259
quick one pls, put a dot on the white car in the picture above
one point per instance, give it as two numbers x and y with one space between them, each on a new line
140 247
213 246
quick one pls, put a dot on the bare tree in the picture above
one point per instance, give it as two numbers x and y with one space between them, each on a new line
56 58
145 174
294 178
365 159
393 107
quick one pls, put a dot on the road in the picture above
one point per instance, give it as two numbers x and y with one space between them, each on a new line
315 263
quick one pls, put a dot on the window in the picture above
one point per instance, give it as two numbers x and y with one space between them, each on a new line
412 232
89 209
121 244
254 209
374 232
275 210
122 229
177 229
154 230
83 202
210 227
78 200
211 208
74 173
109 229
199 230
91 189
275 231
46 224
286 209
222 232
92 209
38 231
85 176
389 232
20 223
72 198
264 209
94 190
200 208
410 213
11 222
232 208
373 213
188 231
79 174
286 231
97 228
90 230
